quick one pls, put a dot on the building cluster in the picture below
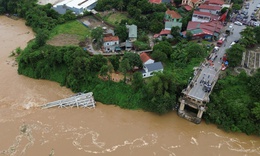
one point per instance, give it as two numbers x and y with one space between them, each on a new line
111 42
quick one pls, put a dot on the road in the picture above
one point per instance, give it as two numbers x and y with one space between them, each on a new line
208 73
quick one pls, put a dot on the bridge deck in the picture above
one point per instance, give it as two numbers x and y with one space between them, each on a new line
79 100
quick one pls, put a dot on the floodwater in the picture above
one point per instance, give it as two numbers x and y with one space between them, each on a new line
106 130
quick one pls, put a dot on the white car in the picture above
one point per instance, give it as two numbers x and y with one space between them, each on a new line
256 24
238 23
232 44
231 26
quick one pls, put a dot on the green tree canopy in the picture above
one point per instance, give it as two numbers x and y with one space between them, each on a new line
121 32
97 34
248 37
234 55
159 92
134 59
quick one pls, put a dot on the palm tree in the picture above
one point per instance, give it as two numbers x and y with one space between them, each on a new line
121 5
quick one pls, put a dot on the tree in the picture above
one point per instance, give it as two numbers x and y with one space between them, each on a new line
164 47
254 84
256 110
160 93
248 37
103 71
175 31
96 62
235 54
138 81
223 10
97 34
121 32
121 5
41 37
115 62
257 34
236 6
156 26
134 60
124 67
189 35
159 56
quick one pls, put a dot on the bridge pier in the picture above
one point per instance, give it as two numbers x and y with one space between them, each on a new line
188 115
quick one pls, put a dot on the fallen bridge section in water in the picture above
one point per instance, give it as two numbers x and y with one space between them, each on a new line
82 100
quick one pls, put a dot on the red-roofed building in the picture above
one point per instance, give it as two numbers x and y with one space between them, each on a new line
215 2
204 30
164 32
173 16
146 59
155 1
192 3
215 10
201 16
187 7
110 43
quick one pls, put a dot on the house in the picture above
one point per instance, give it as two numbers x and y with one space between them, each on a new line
192 3
201 16
132 32
150 69
214 2
164 32
146 59
187 7
172 16
210 30
110 43
160 1
109 32
215 10
76 6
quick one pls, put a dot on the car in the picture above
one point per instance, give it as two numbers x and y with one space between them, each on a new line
258 6
247 7
232 44
231 26
238 23
256 24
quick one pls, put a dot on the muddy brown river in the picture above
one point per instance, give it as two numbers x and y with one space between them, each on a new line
26 130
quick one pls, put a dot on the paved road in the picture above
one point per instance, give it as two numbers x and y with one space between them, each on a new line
208 73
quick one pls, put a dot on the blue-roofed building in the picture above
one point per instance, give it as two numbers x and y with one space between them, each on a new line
150 69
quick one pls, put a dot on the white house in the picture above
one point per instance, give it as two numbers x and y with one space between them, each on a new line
110 43
146 59
77 6
150 69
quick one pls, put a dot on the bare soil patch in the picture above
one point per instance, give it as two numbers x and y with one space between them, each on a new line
64 39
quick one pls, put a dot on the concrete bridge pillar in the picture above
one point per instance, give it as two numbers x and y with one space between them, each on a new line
200 113
182 105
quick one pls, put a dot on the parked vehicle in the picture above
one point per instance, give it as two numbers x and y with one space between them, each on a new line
238 23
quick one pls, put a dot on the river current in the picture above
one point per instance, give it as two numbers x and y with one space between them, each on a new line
27 130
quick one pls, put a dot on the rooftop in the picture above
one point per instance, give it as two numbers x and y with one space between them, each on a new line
76 3
201 13
155 1
144 57
110 38
154 66
173 14
209 7
218 2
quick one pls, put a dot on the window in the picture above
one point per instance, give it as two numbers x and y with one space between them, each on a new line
107 43
151 73
144 74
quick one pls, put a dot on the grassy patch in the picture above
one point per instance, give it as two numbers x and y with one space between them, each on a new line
71 27
115 18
